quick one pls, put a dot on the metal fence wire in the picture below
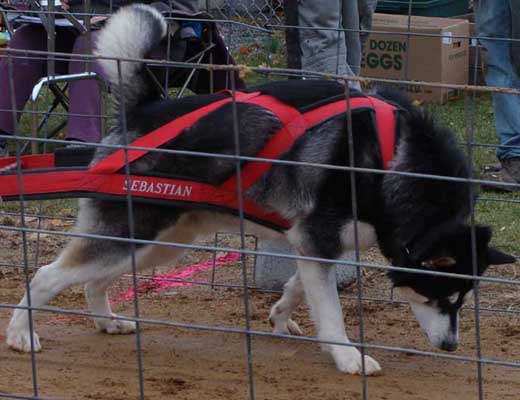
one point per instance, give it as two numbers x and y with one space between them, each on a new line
201 328
259 13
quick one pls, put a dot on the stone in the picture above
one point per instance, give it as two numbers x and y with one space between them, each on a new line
272 272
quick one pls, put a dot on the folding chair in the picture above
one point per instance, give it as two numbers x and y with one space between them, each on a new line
207 49
15 16
60 98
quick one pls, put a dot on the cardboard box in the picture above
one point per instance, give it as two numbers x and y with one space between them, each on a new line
396 55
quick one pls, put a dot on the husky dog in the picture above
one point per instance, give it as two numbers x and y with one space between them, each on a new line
417 223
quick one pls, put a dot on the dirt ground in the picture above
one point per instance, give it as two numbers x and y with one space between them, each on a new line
181 363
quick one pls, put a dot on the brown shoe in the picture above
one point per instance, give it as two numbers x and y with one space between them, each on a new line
493 167
495 177
512 166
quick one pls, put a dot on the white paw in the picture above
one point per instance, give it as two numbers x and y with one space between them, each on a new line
287 327
350 362
283 325
20 340
115 326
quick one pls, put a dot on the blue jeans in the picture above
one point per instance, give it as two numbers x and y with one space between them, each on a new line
494 21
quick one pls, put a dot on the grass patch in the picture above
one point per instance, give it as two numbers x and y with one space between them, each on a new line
55 207
498 211
495 209
472 123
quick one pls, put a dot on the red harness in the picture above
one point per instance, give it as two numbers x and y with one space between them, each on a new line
40 180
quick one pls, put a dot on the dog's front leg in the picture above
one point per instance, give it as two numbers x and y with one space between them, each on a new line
280 316
319 283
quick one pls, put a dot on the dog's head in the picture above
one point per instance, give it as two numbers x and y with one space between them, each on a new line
436 300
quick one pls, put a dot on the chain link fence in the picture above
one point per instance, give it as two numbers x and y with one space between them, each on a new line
260 13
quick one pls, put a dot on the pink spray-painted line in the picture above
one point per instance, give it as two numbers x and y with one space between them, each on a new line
162 282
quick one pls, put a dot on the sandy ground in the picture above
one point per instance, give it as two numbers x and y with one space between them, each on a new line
181 363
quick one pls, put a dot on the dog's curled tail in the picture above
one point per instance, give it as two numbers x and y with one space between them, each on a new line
130 34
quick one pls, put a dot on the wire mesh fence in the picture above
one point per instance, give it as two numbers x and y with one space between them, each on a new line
258 13
201 322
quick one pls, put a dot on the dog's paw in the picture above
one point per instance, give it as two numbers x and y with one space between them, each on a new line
350 362
20 340
282 324
285 326
289 328
115 326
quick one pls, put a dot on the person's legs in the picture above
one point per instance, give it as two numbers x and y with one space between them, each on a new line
366 11
322 50
85 106
350 22
23 70
292 35
515 46
494 21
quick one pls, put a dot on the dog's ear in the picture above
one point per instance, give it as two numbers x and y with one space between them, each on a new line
439 262
496 257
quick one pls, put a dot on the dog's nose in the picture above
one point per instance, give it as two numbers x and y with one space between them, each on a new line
449 345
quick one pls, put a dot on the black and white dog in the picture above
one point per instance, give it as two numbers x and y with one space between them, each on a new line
418 223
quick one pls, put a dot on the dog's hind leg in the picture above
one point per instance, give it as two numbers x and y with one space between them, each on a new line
319 283
96 295
81 263
279 318
182 232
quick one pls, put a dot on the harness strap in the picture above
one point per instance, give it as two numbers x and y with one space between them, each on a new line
54 182
295 125
33 161
385 120
386 125
101 178
115 161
